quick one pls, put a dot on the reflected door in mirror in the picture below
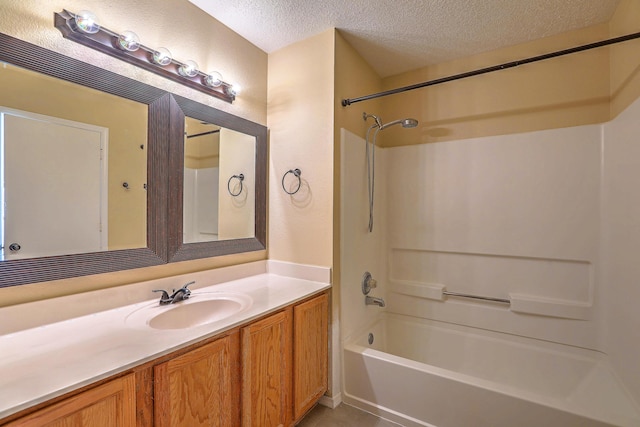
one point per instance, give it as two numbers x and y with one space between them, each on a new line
47 193
54 194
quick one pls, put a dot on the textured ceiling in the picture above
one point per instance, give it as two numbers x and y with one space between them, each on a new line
402 35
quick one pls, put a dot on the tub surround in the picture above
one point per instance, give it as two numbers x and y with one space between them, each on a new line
59 353
544 219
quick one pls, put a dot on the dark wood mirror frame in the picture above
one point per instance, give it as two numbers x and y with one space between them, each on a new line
164 173
178 251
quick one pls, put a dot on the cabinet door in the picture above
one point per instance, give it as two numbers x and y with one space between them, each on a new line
266 372
310 358
199 388
107 405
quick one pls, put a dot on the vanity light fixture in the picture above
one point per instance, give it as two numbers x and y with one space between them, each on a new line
83 28
162 56
188 69
233 89
129 41
213 79
87 22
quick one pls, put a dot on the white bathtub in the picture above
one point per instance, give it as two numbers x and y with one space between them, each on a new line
424 373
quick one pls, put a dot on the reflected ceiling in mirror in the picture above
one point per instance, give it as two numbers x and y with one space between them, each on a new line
74 167
219 183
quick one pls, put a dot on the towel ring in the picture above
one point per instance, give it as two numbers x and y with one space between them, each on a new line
240 178
296 172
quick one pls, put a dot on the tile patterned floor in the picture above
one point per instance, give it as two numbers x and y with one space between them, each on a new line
342 416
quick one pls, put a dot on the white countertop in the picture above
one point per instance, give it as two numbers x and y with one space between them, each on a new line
46 361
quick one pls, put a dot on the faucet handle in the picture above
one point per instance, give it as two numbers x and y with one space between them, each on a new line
188 284
368 282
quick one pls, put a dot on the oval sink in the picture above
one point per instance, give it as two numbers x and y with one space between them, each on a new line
199 309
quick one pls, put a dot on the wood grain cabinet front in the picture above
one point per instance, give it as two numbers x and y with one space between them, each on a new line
310 353
285 364
107 405
266 372
199 388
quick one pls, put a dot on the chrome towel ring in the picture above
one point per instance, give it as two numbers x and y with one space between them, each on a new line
239 178
296 172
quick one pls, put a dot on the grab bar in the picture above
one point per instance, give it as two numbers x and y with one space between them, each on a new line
457 294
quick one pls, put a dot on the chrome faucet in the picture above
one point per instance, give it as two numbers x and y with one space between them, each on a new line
178 295
373 301
368 282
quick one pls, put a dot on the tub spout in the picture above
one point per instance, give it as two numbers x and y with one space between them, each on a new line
374 301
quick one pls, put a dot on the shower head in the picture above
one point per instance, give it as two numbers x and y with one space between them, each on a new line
406 123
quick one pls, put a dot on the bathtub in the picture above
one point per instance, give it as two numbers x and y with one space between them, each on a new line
418 372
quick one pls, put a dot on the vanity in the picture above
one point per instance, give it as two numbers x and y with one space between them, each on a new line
265 363
250 345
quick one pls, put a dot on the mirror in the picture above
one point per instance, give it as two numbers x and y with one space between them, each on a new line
227 224
164 157
74 170
219 183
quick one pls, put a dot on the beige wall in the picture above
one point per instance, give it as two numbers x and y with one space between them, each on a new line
566 91
301 125
189 34
236 214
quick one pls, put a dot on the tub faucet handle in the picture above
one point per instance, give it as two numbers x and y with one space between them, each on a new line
368 283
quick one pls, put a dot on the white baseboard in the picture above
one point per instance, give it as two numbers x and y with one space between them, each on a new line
331 401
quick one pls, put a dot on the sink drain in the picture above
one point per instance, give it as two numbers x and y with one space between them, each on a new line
370 339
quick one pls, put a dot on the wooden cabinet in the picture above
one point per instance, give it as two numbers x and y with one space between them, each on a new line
266 374
285 364
107 405
310 353
266 371
199 388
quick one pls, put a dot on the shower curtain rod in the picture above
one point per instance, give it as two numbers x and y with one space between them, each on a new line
349 101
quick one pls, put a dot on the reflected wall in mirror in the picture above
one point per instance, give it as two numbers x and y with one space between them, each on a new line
204 176
66 151
219 183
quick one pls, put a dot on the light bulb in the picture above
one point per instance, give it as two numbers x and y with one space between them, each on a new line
87 22
233 89
213 79
162 56
129 41
188 69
